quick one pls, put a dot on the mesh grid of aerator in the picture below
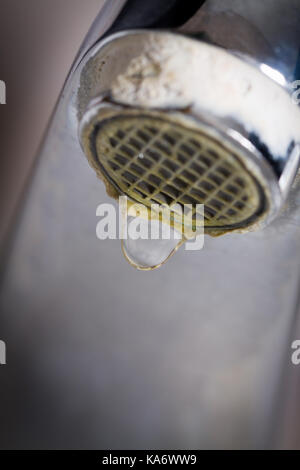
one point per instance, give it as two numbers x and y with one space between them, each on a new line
159 161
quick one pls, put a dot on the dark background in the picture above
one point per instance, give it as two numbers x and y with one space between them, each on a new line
38 42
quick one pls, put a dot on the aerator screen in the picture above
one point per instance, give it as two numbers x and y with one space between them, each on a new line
160 161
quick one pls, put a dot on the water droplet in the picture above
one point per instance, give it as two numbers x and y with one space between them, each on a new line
149 253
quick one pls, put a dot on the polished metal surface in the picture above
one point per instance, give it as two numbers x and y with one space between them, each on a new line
190 356
268 31
110 57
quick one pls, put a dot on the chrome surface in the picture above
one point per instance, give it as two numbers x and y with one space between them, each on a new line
267 31
110 56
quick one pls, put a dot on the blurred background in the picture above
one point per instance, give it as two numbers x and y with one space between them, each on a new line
38 43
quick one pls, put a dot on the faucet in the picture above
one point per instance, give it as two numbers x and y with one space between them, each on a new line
206 92
193 91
